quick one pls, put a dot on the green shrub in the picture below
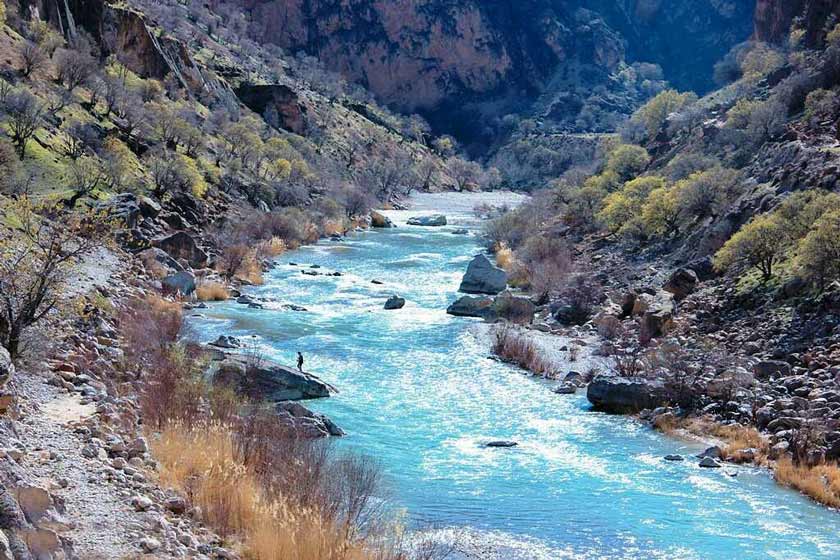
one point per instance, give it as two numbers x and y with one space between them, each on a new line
654 113
819 251
761 244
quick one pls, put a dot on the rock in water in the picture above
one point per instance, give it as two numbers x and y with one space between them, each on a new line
611 393
483 277
268 381
378 220
501 443
436 220
470 306
674 458
395 302
709 463
225 342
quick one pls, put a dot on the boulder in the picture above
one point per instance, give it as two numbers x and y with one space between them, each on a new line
709 463
682 282
7 368
123 207
179 283
268 381
508 307
565 389
656 314
435 220
306 423
483 277
181 245
501 443
395 302
769 369
161 257
378 220
148 207
223 341
470 306
614 394
674 458
714 452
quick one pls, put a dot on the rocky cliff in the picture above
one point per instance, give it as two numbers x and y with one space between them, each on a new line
434 56
774 19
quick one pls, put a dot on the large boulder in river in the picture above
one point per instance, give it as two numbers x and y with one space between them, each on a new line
508 307
483 277
435 220
621 395
395 302
268 381
470 306
379 220
181 245
306 423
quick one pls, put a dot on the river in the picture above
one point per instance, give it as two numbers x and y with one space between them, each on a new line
418 392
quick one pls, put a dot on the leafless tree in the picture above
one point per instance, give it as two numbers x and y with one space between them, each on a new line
33 59
24 114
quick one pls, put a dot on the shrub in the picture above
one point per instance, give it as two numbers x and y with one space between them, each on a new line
760 61
661 212
622 209
627 161
707 192
761 243
212 291
800 211
819 251
515 347
820 102
654 114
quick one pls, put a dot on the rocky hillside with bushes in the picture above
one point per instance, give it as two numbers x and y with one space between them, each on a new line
703 249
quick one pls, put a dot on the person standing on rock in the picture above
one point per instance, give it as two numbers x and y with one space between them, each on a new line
300 361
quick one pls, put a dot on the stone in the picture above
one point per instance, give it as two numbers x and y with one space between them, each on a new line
508 307
674 458
565 389
614 394
769 369
501 443
681 283
709 463
123 207
34 501
141 503
161 257
176 504
395 302
7 367
435 220
229 342
307 422
379 220
150 544
282 102
656 314
268 381
470 306
182 283
483 277
181 245
714 452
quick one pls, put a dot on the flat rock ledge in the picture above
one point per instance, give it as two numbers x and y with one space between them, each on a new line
268 381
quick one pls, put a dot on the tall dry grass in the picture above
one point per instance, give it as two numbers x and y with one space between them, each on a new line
514 347
741 444
820 482
212 291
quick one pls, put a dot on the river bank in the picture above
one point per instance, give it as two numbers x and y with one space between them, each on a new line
417 391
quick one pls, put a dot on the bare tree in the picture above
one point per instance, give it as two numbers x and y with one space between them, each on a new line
74 67
34 262
33 59
24 114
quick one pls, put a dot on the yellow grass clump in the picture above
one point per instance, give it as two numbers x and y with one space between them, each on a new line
821 482
272 247
212 291
505 258
516 348
250 270
209 468
736 438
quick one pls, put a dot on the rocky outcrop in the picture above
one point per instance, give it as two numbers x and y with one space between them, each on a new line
306 423
620 395
181 245
681 283
279 103
268 381
483 277
773 19
379 220
470 306
435 220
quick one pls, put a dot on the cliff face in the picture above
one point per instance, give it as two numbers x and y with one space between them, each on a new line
774 18
423 54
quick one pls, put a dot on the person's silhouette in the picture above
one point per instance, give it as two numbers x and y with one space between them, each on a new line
300 361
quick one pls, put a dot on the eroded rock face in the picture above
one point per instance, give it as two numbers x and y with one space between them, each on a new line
440 57
773 19
279 103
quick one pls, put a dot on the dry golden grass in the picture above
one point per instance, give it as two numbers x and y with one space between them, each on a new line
208 467
736 438
516 348
332 227
272 247
821 482
212 291
250 270
505 258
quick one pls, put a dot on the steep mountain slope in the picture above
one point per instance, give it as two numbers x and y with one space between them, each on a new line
435 56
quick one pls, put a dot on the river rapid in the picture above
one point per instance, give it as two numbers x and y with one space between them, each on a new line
418 393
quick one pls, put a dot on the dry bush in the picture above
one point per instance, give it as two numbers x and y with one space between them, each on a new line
504 257
737 439
150 325
514 347
820 482
321 508
212 291
270 248
334 227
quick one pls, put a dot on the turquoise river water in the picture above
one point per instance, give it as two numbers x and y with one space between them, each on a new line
418 392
